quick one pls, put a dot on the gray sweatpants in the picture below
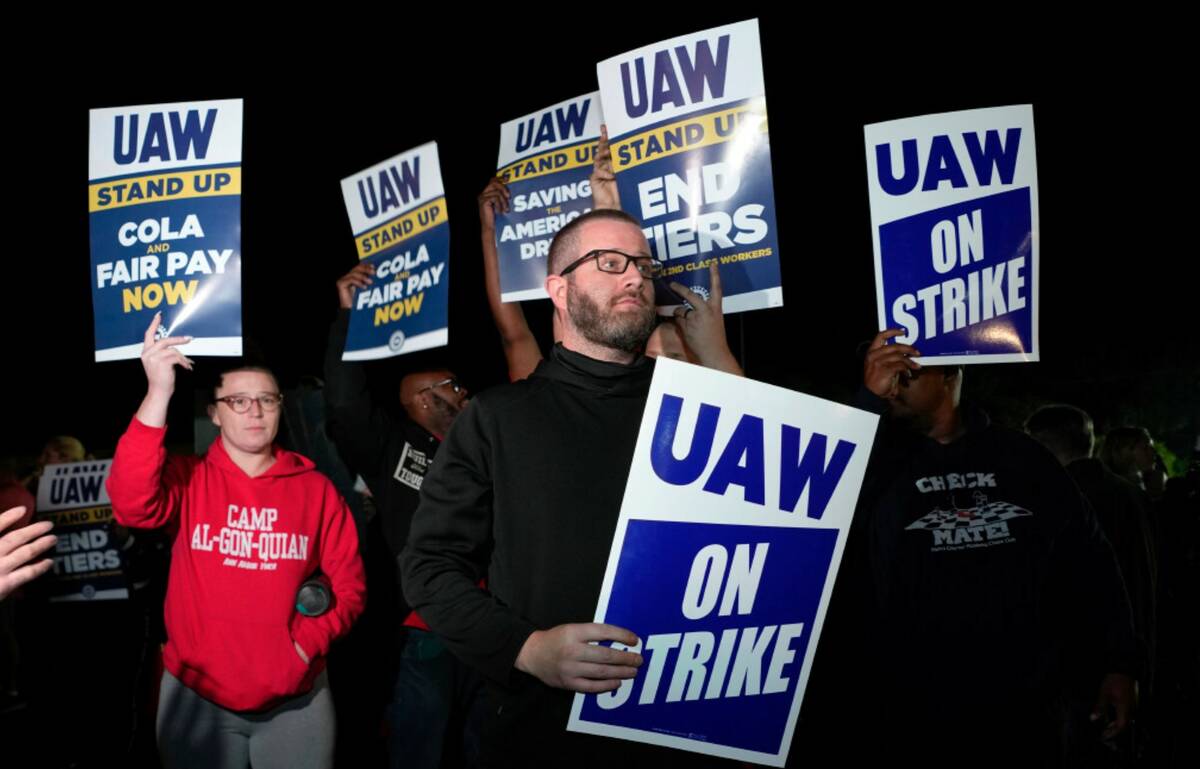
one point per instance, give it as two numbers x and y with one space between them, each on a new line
194 733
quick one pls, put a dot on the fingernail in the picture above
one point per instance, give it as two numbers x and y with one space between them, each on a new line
188 338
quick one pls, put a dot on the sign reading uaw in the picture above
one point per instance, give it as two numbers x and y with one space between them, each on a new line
733 523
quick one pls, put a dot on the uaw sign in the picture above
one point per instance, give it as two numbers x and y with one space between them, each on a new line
692 157
164 214
545 159
954 220
397 210
733 523
87 562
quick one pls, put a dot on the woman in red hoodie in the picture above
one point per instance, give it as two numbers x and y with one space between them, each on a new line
244 681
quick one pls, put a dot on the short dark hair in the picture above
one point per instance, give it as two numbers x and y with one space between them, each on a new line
1063 429
237 367
1118 442
566 240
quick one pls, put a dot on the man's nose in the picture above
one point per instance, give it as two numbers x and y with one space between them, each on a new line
631 278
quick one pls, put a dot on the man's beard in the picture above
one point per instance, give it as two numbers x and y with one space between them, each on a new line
618 330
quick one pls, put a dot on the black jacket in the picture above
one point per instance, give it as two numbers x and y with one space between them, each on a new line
526 491
392 454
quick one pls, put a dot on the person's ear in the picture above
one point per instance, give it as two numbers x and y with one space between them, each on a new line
556 288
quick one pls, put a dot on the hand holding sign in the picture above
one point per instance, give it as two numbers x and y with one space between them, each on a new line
703 325
493 200
18 548
159 359
359 277
886 362
566 657
603 179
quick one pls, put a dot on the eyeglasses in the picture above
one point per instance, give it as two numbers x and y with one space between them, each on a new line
241 403
454 385
616 262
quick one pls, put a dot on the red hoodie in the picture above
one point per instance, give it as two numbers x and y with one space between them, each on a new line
243 548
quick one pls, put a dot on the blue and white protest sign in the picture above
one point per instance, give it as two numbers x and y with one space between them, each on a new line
954 219
87 563
734 519
687 119
397 211
165 214
545 159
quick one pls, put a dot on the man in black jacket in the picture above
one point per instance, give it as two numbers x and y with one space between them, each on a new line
998 597
393 455
527 491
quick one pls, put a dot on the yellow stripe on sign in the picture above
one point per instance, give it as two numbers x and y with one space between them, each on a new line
743 123
548 163
402 228
78 517
176 185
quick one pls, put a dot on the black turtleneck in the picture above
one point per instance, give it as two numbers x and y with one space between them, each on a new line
526 491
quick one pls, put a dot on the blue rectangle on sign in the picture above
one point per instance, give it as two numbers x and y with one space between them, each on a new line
407 307
960 279
724 614
540 207
180 257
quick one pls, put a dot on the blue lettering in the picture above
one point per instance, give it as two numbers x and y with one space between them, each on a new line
408 179
396 186
154 144
1003 158
191 132
634 108
704 69
85 489
91 487
571 121
188 136
666 85
795 472
524 138
121 154
545 130
941 152
681 472
370 207
746 444
912 170
387 193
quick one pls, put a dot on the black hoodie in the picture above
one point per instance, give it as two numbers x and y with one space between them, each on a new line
994 583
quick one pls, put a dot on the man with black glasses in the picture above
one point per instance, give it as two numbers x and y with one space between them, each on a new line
527 490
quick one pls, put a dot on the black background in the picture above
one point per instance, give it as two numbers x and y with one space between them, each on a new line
1115 146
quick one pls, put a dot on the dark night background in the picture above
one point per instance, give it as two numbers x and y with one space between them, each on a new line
1113 129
